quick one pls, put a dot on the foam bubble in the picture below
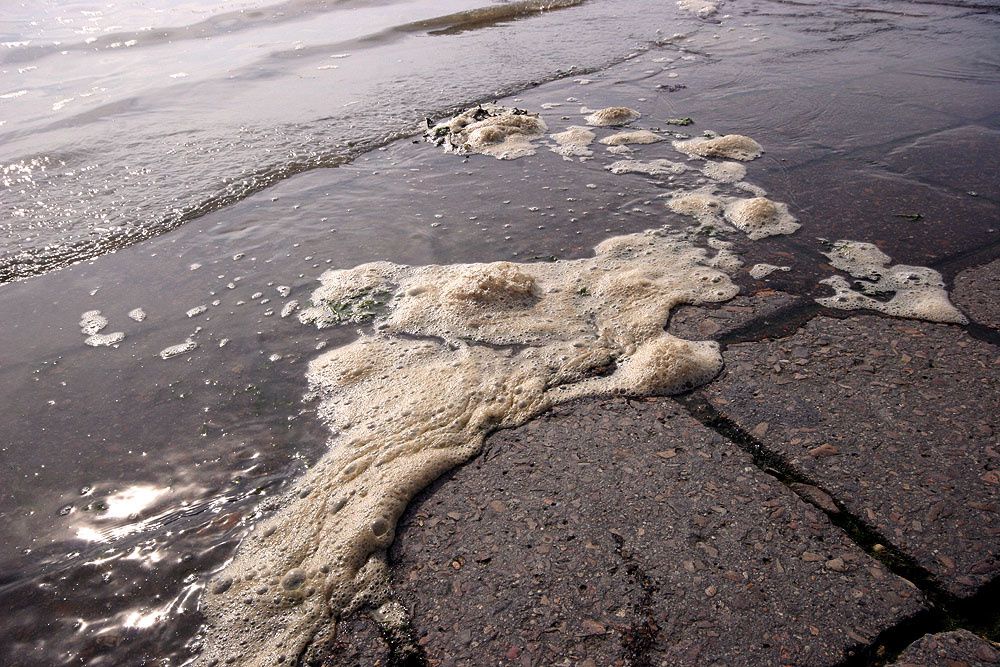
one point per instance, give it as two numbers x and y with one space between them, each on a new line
612 116
180 348
760 217
92 322
761 271
573 142
634 137
458 351
757 217
701 8
915 292
137 314
724 172
102 340
703 205
502 132
730 147
652 168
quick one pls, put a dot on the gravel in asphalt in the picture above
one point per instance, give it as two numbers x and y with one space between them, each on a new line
960 648
977 293
624 532
895 419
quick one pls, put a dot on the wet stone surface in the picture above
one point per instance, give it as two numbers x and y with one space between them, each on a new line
699 322
624 532
897 420
357 642
912 221
963 158
977 292
954 649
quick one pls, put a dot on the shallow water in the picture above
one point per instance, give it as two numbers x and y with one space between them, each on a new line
127 478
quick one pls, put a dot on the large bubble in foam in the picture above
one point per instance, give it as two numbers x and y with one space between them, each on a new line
458 352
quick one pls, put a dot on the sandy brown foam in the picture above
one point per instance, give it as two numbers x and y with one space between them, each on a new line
505 133
915 292
457 352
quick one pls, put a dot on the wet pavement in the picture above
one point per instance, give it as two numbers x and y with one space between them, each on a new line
626 532
828 500
773 549
896 420
977 292
954 649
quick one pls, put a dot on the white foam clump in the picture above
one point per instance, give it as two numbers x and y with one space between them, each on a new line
760 217
91 324
701 8
503 132
725 172
634 137
100 340
612 116
704 205
574 141
176 350
197 310
917 292
137 314
652 167
757 217
458 352
289 308
729 146
761 271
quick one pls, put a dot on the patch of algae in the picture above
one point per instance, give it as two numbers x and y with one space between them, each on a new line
914 292
456 353
502 132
